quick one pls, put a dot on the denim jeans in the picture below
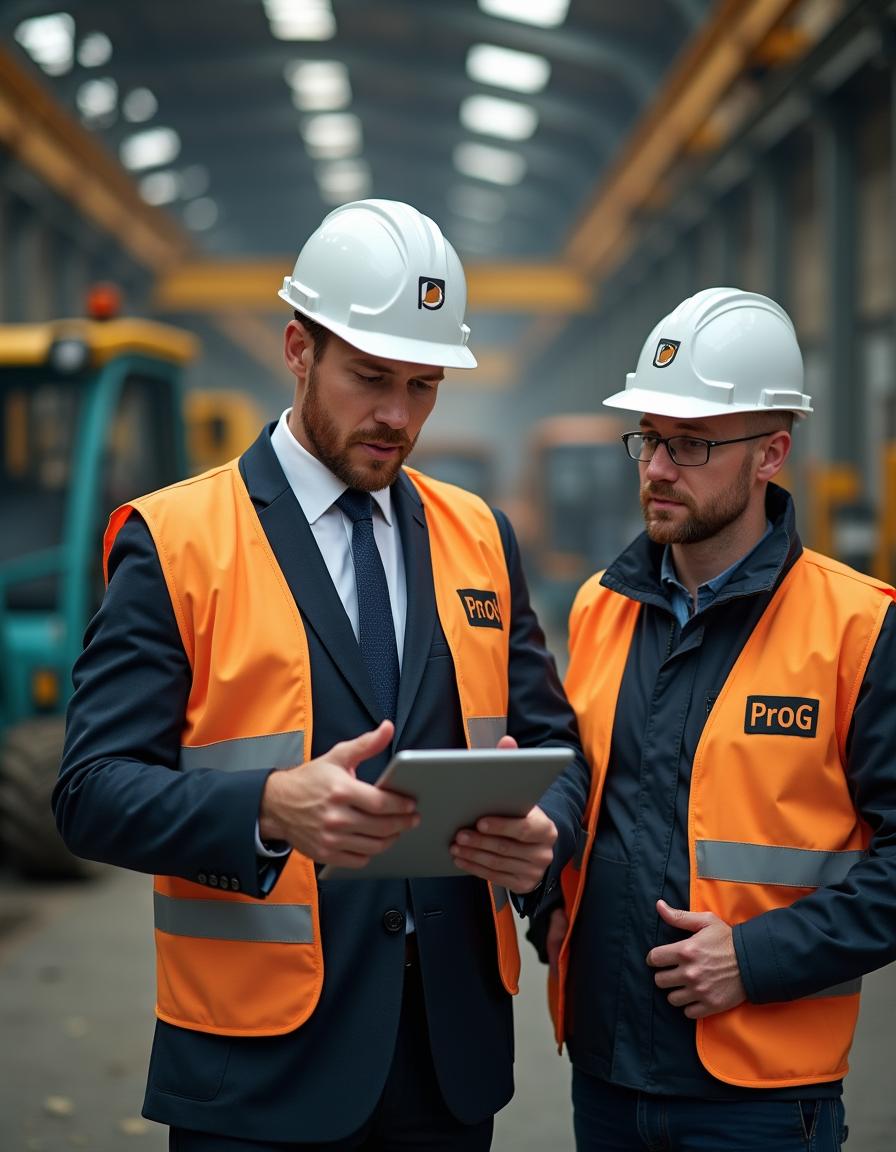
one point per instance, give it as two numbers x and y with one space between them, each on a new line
612 1119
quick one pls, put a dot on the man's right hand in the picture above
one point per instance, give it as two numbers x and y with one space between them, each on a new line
557 927
323 811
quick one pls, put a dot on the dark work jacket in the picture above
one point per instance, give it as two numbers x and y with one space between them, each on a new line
621 1027
120 800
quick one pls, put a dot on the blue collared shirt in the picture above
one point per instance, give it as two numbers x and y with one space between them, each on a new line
680 597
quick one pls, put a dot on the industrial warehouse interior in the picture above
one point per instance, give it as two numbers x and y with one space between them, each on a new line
593 164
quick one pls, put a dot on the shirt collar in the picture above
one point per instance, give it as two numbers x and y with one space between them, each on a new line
669 577
316 488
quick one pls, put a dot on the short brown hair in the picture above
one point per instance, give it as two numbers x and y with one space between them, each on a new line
769 420
319 335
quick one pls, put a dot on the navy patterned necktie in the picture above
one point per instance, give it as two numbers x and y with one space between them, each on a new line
376 630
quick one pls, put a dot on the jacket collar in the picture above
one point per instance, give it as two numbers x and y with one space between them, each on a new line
421 605
637 572
306 573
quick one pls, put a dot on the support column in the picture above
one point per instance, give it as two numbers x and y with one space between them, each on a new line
728 220
837 175
774 233
5 233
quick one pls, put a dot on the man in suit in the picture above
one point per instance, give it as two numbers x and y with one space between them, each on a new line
272 632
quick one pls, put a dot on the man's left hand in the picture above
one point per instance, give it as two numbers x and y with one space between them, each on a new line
701 972
511 852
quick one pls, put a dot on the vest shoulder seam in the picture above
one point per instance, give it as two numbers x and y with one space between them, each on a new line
187 482
836 568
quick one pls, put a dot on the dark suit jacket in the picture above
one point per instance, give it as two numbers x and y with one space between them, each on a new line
119 800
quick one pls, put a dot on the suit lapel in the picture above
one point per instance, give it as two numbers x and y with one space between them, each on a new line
298 555
421 607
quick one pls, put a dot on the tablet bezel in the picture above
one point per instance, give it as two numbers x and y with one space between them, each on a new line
455 787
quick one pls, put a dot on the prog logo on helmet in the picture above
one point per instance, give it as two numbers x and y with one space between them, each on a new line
665 353
430 293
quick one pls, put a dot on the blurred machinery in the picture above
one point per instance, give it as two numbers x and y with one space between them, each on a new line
585 491
90 415
221 424
468 465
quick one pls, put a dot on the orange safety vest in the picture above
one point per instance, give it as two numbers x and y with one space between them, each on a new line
775 819
240 628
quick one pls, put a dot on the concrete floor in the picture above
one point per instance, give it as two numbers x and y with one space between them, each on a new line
76 1022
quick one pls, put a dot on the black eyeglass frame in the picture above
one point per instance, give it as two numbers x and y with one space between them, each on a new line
665 441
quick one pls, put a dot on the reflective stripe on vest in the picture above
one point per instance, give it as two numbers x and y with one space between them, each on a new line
218 566
770 864
486 731
763 851
225 920
280 750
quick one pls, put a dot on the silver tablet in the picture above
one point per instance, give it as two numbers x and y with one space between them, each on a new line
453 789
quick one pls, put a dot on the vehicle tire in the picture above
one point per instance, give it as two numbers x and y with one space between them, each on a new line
29 764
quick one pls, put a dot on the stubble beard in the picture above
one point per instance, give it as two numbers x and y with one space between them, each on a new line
333 451
721 510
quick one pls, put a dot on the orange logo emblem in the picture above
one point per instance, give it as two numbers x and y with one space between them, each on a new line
430 293
666 352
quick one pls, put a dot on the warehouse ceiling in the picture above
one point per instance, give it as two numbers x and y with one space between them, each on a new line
234 125
394 98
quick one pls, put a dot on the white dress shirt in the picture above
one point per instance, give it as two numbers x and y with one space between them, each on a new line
317 490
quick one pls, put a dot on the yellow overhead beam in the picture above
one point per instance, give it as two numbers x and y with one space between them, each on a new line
718 54
497 370
210 285
533 288
49 141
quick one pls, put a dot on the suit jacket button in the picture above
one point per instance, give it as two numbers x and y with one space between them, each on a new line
393 920
202 878
213 880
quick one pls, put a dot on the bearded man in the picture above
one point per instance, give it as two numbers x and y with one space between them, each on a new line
272 631
735 694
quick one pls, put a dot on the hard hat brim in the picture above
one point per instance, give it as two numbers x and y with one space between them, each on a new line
643 400
390 347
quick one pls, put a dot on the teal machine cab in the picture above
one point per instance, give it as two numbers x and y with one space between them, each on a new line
91 413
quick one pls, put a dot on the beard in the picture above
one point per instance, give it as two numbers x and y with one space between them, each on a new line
332 449
721 510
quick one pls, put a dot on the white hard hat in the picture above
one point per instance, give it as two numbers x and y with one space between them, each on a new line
720 351
381 275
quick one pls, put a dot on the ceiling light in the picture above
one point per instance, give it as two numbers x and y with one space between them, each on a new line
301 19
49 41
344 180
95 50
160 187
507 68
332 135
483 162
495 117
200 215
97 99
541 13
150 148
139 105
319 85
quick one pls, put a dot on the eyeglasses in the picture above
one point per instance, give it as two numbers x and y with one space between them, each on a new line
686 451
